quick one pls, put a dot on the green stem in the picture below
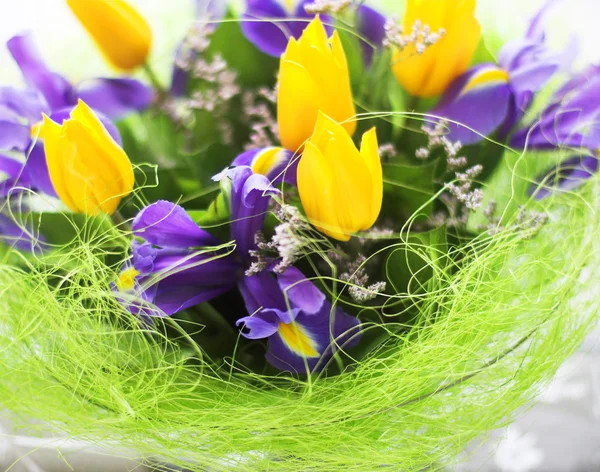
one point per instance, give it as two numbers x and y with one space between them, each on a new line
158 86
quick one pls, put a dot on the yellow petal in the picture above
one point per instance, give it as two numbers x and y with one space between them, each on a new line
314 36
57 152
430 74
313 77
99 167
113 152
340 188
315 185
120 32
369 151
298 101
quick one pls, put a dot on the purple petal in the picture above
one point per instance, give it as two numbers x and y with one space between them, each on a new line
250 197
56 89
36 170
566 176
272 37
13 174
176 279
26 104
371 26
283 166
261 292
115 98
301 292
261 325
180 77
12 234
11 167
168 225
324 334
483 107
575 123
531 77
178 298
14 134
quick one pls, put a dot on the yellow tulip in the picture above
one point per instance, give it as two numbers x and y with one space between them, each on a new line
429 74
88 169
341 188
313 77
119 31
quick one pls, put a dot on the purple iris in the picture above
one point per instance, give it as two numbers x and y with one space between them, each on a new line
290 19
180 265
572 119
277 164
566 176
490 97
13 233
272 37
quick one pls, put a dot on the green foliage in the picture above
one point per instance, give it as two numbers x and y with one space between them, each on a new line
253 67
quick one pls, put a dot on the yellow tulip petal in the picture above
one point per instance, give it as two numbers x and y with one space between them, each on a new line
88 169
313 77
430 74
56 154
113 152
340 188
120 32
101 169
314 36
297 105
315 188
369 151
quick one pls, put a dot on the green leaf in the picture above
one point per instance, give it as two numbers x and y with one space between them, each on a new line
253 67
217 213
409 188
354 56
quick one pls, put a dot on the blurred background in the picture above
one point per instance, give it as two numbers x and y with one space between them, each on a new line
561 433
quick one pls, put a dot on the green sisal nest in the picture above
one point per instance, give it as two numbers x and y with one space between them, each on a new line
493 327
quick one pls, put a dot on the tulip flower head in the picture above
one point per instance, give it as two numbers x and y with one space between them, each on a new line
341 188
427 71
119 31
88 169
313 77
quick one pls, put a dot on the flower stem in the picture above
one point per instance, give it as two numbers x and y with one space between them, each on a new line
158 86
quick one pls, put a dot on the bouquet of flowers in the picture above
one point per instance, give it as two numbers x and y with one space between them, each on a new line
335 241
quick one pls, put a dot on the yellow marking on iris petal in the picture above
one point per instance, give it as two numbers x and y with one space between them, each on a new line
297 340
266 161
485 77
126 280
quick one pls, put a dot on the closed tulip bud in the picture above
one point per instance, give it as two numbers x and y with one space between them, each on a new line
119 31
88 169
341 188
445 37
313 77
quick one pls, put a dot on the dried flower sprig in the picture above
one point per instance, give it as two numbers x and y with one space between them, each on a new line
420 36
